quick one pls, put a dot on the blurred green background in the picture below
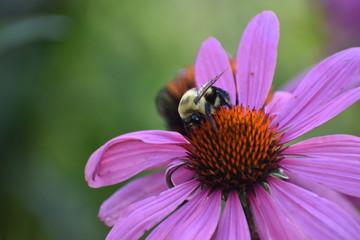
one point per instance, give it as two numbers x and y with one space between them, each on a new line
75 74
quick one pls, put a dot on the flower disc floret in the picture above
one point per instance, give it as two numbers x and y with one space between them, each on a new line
239 151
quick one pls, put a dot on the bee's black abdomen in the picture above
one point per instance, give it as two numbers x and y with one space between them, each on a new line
167 106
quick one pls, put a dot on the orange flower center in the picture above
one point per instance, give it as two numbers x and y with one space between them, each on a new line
239 151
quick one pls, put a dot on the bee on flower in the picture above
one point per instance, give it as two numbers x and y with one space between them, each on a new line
234 174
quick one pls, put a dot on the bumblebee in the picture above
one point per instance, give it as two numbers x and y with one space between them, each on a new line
198 104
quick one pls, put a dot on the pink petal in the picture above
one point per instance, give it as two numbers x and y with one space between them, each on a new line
272 221
139 217
132 192
333 146
317 217
129 154
341 174
335 156
197 219
330 78
211 61
256 59
321 114
325 192
277 102
233 224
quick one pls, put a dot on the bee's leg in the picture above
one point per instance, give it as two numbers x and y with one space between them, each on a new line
209 115
229 105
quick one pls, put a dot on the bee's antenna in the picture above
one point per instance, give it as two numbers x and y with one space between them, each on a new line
202 90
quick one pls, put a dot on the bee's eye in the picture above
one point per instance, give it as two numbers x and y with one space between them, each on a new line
195 118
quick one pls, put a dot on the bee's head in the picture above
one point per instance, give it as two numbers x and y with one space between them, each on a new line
198 103
190 111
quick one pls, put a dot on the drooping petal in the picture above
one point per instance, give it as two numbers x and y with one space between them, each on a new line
132 192
176 173
277 102
256 59
233 224
334 146
129 154
330 78
271 220
139 217
211 61
325 192
341 174
317 217
321 114
197 219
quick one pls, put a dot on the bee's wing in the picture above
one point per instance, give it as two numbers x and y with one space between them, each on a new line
202 90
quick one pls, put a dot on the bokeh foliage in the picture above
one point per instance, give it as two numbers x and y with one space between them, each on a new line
76 73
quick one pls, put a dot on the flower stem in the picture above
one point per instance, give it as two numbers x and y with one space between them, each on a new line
249 217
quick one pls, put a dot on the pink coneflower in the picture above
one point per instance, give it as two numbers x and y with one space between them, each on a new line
343 22
270 189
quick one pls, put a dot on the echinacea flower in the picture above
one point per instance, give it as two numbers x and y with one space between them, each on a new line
343 22
242 179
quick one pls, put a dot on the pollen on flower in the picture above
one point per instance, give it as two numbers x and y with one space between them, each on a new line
242 150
